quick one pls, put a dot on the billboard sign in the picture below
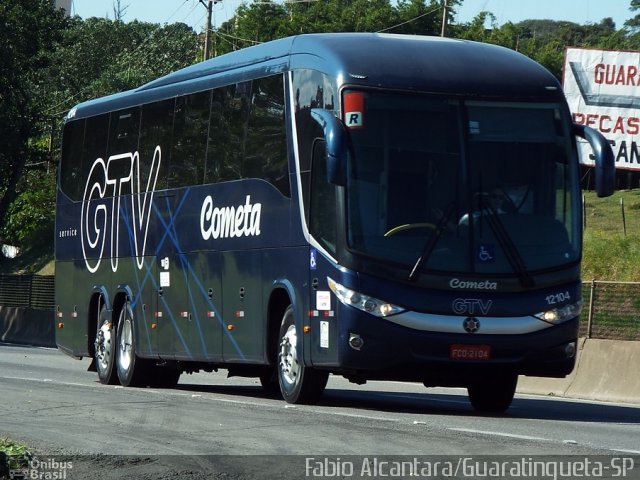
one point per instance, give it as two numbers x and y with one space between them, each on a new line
603 92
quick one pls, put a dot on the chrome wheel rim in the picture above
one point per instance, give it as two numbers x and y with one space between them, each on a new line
126 339
103 346
288 358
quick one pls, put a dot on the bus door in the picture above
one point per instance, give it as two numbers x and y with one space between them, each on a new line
324 218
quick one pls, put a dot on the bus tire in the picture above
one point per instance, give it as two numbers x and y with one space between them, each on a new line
105 347
493 395
298 383
132 371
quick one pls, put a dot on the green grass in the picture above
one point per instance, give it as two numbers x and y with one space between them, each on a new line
15 456
609 253
12 448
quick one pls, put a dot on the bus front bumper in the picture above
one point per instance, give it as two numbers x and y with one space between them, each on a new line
381 349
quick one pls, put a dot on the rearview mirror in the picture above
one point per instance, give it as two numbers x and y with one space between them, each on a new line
603 154
337 143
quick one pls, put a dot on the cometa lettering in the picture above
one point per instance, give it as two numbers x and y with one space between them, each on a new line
229 222
470 284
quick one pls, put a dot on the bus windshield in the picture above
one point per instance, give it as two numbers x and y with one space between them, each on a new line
446 185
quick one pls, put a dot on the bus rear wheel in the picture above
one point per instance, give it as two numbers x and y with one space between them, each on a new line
493 395
298 383
132 371
105 347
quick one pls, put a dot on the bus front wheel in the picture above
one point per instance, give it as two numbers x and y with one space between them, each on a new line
298 383
493 395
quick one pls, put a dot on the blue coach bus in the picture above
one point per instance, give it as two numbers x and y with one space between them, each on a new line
372 206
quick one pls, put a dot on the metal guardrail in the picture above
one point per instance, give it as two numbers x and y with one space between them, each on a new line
611 310
27 291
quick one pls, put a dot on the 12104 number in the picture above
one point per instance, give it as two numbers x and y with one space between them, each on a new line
557 298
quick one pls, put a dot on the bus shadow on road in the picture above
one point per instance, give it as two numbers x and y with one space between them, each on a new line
372 400
574 410
400 402
525 407
538 408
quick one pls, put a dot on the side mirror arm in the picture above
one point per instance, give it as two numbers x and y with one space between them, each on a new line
604 159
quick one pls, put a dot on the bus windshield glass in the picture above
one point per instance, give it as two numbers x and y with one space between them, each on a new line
446 185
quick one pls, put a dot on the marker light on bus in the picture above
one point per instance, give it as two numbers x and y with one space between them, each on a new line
368 304
561 314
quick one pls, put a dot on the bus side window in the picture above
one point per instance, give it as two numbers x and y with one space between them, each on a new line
266 145
95 145
247 136
322 214
124 129
218 132
190 134
225 148
71 182
155 131
239 109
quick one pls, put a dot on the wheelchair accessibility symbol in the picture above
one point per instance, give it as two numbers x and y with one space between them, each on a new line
486 253
312 259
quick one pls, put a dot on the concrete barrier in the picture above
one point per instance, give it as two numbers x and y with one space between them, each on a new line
27 326
606 370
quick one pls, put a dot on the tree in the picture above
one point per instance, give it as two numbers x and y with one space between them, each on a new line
634 23
543 40
263 21
48 70
29 30
98 57
418 18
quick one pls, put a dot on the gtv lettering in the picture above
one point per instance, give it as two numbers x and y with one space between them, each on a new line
100 216
471 306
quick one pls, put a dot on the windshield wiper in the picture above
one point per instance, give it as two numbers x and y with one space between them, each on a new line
431 242
506 242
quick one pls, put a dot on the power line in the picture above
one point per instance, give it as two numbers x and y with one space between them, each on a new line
409 21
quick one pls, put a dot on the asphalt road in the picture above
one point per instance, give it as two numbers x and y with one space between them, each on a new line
51 402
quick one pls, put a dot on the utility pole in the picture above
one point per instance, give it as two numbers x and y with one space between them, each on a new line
443 32
209 7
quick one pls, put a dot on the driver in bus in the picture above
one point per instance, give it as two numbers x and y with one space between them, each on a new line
491 203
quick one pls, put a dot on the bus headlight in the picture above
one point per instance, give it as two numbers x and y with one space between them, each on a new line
560 314
368 304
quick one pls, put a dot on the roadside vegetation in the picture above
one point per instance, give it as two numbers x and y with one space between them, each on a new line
611 240
13 455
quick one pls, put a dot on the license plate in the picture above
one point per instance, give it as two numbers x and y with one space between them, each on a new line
470 352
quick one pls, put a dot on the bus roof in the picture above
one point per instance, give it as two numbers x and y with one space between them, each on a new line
405 62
